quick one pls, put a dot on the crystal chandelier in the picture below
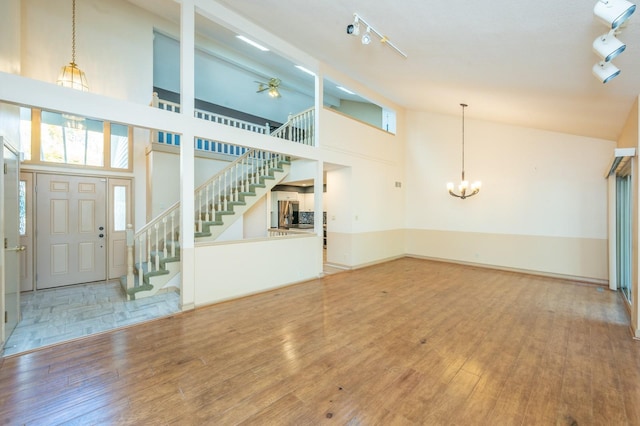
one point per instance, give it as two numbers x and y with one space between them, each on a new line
463 188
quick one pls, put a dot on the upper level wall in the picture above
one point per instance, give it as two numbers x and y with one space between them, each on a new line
533 182
114 45
10 36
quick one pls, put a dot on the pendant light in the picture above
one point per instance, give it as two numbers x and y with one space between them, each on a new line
70 75
464 185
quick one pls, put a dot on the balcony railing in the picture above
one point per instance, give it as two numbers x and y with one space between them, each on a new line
299 128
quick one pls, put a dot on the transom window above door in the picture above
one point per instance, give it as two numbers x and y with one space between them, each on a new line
75 141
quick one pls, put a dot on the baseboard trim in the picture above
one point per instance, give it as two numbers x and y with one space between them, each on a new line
583 280
365 265
187 307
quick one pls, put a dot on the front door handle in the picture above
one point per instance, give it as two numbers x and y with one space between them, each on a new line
17 248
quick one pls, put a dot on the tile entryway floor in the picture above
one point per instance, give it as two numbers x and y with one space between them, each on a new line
57 315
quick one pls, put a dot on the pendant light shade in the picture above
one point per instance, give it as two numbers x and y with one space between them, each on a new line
73 77
70 75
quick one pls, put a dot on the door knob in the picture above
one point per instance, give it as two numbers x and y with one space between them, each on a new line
101 228
101 235
17 248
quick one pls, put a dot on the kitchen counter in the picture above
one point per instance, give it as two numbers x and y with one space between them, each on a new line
300 226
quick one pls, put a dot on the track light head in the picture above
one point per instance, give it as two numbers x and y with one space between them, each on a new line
366 37
608 46
605 71
614 12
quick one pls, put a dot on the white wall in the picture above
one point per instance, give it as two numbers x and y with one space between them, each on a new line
114 42
366 210
226 271
10 37
535 184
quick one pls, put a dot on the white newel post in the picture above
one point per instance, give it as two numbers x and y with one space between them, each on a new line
130 278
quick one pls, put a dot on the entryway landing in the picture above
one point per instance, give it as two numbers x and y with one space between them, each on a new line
61 314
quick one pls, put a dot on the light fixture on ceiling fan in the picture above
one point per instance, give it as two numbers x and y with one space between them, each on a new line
464 185
271 87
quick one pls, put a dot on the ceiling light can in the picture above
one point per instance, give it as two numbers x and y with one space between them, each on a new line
614 12
607 46
605 71
366 37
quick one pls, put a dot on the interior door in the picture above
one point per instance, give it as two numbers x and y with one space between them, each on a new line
12 246
71 230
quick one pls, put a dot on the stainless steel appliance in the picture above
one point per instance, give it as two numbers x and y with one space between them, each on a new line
288 214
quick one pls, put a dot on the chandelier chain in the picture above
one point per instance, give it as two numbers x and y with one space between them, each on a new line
73 31
463 107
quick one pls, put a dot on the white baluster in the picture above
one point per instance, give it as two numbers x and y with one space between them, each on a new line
199 211
224 192
130 256
157 256
140 258
149 249
164 236
173 235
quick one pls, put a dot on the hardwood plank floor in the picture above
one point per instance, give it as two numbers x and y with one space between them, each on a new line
404 342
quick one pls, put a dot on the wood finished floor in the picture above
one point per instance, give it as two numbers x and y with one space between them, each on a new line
405 342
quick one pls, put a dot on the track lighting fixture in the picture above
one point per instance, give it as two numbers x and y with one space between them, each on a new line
608 46
605 71
354 30
614 12
366 37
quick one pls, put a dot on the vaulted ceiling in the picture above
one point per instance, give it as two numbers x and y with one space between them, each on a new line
521 63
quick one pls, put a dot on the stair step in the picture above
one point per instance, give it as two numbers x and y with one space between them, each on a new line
137 287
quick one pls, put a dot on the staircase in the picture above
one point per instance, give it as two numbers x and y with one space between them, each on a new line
154 251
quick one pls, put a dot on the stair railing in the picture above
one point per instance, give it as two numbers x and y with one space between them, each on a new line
298 128
218 193
151 240
151 243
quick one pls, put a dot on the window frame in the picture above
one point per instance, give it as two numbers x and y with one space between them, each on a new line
36 147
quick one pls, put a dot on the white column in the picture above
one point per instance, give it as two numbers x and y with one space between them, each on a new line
611 208
318 198
187 180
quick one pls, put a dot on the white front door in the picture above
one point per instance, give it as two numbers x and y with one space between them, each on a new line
71 232
12 248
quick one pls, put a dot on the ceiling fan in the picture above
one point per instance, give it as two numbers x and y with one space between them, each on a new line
270 87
